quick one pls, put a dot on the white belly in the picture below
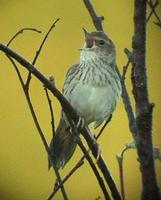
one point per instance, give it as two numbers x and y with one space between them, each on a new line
95 103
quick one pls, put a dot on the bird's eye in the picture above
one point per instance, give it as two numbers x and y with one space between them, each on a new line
101 42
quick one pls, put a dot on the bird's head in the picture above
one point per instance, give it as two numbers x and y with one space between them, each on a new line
99 43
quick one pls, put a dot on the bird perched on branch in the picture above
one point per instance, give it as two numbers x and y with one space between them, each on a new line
92 86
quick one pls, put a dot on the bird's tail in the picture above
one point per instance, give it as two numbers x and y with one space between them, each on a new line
62 146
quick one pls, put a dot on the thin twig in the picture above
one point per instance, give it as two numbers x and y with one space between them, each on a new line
51 111
120 158
20 32
65 197
58 186
151 5
125 68
37 124
158 24
53 133
127 105
30 106
39 50
103 127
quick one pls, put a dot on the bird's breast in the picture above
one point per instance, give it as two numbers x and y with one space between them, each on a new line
93 102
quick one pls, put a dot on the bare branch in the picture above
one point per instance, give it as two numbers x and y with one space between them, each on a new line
158 24
87 156
58 186
96 172
51 111
20 32
81 161
125 96
103 127
127 104
37 124
75 132
39 50
32 108
153 11
144 108
120 158
153 7
97 20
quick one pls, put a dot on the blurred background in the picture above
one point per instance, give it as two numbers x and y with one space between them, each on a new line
24 171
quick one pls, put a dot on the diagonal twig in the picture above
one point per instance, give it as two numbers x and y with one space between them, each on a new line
39 50
103 127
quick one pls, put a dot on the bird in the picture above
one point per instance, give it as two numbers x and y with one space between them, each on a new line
92 86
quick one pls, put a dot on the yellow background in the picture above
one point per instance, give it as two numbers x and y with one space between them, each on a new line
23 160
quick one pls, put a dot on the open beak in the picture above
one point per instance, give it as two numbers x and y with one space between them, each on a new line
88 38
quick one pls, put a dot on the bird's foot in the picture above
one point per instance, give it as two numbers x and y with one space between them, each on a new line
98 152
81 123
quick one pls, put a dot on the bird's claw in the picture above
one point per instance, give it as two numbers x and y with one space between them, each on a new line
80 124
98 153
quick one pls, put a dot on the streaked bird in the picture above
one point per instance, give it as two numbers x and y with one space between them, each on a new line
92 86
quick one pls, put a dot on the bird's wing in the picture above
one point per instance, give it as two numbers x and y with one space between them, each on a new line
69 77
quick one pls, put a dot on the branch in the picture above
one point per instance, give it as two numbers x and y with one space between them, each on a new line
68 109
97 20
39 50
143 107
87 156
25 89
51 111
125 96
153 11
75 131
96 172
103 127
120 158
58 186
153 7
59 180
20 32
81 161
